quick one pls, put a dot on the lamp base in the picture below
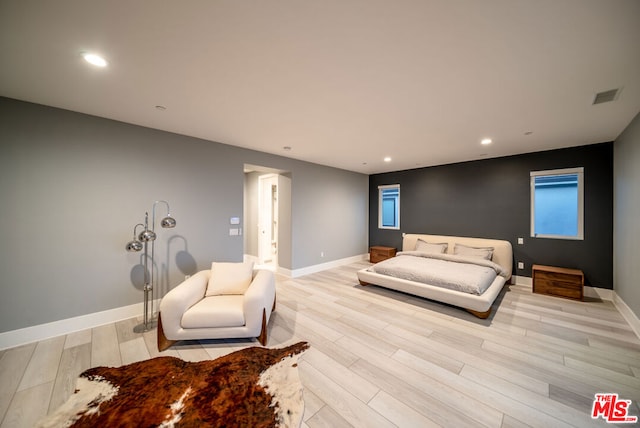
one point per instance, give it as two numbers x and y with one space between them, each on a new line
141 328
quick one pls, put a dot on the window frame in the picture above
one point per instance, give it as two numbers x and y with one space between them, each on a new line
579 171
381 189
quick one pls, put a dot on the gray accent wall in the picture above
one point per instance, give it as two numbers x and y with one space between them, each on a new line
319 224
491 199
73 186
626 238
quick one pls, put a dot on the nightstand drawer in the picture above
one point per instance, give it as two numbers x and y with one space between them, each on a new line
557 276
379 253
559 288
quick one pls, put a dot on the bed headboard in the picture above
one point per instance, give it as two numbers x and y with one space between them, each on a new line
502 251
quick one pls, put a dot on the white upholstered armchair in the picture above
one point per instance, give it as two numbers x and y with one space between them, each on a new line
229 301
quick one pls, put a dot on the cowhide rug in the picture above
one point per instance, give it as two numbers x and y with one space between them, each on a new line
253 387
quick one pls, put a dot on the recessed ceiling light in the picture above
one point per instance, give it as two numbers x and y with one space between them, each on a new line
161 108
486 141
287 148
528 133
387 159
94 59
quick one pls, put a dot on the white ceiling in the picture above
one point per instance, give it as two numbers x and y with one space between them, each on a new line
342 82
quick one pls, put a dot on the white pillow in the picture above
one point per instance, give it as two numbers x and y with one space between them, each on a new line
427 247
481 252
229 278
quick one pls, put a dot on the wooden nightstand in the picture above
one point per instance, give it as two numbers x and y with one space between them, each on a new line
557 281
379 253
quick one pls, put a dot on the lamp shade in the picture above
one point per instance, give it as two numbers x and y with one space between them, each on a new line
168 222
147 235
133 246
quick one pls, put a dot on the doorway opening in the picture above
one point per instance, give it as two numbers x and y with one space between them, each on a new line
268 220
267 217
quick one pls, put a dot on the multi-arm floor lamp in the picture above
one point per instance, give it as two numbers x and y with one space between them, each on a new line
141 241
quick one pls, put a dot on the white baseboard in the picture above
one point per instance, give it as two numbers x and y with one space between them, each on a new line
311 269
627 313
598 293
36 333
522 280
323 266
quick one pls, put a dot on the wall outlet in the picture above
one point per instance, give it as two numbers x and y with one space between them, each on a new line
520 241
520 265
321 253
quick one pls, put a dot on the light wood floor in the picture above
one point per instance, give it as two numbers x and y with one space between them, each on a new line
380 358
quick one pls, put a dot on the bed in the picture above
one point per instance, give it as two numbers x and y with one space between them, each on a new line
464 272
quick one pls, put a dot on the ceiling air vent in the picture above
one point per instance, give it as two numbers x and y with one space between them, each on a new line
605 96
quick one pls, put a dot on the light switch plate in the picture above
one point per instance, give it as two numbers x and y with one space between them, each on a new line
520 265
520 241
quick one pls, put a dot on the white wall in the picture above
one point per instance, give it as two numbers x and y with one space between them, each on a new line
73 186
626 229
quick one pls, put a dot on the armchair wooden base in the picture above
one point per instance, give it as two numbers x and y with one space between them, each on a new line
163 342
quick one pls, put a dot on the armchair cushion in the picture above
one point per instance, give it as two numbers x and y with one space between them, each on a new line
229 278
219 311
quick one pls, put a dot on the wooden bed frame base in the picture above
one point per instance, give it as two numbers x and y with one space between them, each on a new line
482 315
164 343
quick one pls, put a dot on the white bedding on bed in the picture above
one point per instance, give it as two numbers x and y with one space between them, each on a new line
471 275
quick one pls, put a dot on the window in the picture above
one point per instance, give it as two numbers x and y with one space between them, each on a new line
389 207
557 204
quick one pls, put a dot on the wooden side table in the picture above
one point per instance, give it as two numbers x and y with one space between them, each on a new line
557 281
380 253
